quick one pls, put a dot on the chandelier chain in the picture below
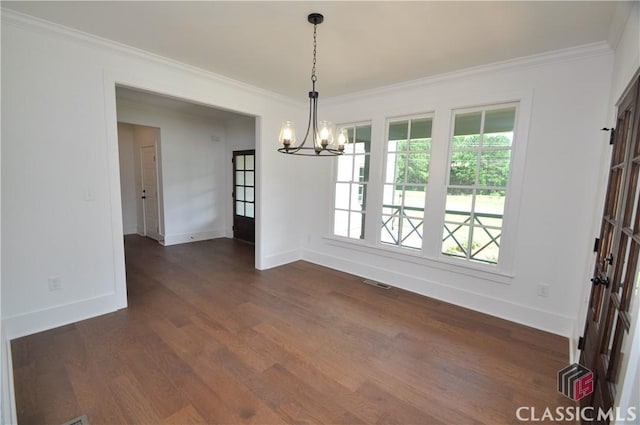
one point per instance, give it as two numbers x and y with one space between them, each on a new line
315 45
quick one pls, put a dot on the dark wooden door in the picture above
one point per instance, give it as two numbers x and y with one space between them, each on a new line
611 301
244 204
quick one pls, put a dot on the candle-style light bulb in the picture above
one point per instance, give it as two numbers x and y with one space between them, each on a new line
287 134
325 134
343 139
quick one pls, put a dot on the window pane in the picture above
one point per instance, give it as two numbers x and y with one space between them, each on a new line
421 128
414 199
342 196
249 194
486 244
391 195
240 193
463 168
399 130
361 168
240 178
345 168
418 171
356 225
239 162
455 239
412 232
390 175
458 206
249 178
500 120
467 124
358 193
363 139
491 202
494 169
249 162
390 229
341 223
239 208
249 209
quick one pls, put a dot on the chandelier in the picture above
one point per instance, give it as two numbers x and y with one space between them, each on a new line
324 138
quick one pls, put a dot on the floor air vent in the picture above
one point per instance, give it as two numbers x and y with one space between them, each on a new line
377 284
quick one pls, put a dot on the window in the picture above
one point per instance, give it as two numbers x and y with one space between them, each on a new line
479 168
352 178
405 182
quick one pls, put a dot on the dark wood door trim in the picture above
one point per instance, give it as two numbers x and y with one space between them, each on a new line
608 318
243 195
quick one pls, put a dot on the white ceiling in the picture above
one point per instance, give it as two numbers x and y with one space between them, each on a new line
361 45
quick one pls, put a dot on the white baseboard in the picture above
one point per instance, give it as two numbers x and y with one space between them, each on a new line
8 407
525 315
192 237
279 259
42 320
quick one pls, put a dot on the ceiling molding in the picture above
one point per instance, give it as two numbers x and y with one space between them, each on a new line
11 17
556 56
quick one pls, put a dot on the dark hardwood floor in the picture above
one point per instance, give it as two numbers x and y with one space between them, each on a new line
208 339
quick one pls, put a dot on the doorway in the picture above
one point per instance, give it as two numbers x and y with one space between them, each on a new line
149 192
140 182
244 227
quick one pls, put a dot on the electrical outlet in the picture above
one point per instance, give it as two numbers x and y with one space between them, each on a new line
543 290
55 283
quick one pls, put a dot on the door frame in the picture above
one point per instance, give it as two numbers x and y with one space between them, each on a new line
609 322
157 234
234 220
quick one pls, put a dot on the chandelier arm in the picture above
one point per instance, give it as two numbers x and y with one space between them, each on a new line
316 135
306 135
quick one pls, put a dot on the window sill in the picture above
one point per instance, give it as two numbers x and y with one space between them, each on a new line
453 265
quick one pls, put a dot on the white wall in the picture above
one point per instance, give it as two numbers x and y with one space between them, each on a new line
126 150
193 169
62 212
565 91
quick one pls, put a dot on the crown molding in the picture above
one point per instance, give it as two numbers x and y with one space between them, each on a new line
621 15
11 17
525 62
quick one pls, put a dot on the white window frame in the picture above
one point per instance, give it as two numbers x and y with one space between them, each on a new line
442 129
383 182
365 208
475 187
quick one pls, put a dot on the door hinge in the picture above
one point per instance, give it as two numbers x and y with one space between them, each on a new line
597 280
233 228
581 343
233 195
611 135
596 245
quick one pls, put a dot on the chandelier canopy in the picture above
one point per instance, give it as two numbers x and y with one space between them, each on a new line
326 141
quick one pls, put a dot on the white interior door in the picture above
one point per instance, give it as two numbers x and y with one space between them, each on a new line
150 191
